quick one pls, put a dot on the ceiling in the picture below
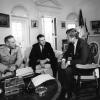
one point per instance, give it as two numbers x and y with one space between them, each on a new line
64 3
67 6
48 3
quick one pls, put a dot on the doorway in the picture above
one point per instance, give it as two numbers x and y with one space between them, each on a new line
49 30
20 30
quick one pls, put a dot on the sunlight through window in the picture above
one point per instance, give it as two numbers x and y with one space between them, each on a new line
69 26
17 32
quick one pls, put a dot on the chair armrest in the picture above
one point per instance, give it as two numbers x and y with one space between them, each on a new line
87 66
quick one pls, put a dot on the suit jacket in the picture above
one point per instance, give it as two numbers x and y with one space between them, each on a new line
36 54
82 54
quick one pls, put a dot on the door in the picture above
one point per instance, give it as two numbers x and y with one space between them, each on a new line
49 30
20 30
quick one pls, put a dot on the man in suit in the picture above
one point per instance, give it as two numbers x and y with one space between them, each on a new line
77 53
42 53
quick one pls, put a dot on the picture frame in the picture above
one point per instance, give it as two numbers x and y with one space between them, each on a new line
4 20
34 23
63 24
94 46
95 26
64 45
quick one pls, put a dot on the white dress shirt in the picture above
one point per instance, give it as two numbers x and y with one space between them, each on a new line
75 44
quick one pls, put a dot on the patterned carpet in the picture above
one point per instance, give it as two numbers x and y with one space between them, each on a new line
87 92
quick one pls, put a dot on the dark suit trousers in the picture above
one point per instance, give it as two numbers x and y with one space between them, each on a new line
66 77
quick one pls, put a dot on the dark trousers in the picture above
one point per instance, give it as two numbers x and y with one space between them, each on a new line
66 77
54 69
54 66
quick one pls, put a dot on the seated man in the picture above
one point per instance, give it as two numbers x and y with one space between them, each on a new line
77 53
42 54
10 55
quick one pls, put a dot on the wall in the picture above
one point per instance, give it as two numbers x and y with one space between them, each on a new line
60 16
90 9
6 7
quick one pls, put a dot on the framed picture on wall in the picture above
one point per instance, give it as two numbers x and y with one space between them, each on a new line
4 20
63 24
34 23
64 45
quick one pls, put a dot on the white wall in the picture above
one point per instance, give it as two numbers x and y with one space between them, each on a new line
90 9
6 7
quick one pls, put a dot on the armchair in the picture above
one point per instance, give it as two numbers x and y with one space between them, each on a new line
89 72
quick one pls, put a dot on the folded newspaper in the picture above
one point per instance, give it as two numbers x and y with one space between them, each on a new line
41 79
24 71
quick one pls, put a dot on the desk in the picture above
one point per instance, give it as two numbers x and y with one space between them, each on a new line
53 91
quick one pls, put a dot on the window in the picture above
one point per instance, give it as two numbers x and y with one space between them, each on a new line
71 26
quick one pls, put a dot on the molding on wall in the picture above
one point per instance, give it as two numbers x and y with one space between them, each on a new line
94 35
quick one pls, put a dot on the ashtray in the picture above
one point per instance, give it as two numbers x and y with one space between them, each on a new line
41 91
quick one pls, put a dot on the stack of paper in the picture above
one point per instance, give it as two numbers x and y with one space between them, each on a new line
24 71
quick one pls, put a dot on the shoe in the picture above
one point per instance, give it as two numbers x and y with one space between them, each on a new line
73 97
66 95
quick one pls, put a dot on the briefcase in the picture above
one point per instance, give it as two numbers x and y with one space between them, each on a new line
13 86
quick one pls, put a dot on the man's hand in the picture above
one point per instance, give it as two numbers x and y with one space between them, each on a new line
47 60
67 64
42 63
12 68
63 64
3 68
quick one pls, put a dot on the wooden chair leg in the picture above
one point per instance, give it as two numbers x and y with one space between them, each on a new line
78 83
97 84
78 87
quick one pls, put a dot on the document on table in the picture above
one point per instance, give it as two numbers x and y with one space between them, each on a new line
41 79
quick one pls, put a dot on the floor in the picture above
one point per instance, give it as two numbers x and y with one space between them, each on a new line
87 92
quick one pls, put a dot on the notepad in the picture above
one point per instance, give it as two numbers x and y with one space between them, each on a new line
41 79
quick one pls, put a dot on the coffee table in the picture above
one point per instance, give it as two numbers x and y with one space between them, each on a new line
53 91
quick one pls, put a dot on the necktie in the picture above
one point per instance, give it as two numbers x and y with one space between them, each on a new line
71 50
10 51
42 48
